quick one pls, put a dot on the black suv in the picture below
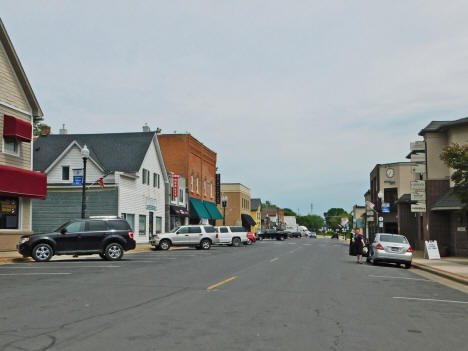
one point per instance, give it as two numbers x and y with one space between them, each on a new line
108 237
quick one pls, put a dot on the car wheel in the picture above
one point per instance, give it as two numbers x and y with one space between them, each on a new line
102 256
408 265
114 252
205 244
164 244
42 252
236 242
249 241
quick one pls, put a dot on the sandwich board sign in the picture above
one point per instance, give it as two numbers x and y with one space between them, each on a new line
431 250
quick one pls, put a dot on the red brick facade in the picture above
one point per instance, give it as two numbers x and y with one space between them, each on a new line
186 156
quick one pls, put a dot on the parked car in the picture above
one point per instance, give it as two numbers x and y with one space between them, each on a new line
231 235
311 234
198 236
390 248
273 234
107 236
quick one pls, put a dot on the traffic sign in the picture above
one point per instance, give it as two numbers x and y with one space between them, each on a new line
380 219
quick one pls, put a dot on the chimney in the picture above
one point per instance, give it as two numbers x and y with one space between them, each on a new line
146 128
63 131
45 130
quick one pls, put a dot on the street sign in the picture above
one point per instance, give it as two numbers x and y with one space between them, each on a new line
380 224
418 207
77 176
370 213
418 196
418 146
418 185
380 219
386 207
418 169
370 219
418 157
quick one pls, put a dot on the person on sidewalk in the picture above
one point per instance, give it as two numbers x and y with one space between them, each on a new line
359 245
352 251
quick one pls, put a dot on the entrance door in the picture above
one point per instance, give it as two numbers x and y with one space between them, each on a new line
150 224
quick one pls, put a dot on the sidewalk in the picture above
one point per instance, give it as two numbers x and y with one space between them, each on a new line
15 257
453 268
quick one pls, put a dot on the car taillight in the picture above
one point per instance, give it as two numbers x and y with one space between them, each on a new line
217 236
379 246
410 249
130 235
249 233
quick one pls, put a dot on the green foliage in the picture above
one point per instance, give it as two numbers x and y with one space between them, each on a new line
313 222
333 217
289 212
456 156
268 204
37 128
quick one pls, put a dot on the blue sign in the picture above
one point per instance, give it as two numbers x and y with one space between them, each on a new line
77 180
385 207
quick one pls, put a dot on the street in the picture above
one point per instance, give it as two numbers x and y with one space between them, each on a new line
300 294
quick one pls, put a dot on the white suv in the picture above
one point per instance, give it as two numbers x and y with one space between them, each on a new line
231 235
199 236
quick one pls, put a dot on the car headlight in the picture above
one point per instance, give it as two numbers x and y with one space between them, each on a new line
24 240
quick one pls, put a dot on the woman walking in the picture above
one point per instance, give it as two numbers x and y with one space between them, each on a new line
359 245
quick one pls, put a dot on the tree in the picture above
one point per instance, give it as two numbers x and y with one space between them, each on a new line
37 128
312 222
289 212
268 204
333 217
456 156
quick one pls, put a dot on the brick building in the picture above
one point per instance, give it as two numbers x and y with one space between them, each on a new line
238 205
186 156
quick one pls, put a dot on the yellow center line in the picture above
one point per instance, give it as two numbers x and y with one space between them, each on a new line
221 283
274 259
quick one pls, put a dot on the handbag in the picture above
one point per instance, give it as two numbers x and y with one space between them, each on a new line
365 250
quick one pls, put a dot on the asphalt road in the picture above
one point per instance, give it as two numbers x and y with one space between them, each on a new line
300 294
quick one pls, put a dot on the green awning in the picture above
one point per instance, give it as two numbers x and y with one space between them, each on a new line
197 210
212 210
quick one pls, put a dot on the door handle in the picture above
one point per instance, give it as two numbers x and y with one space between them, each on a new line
186 235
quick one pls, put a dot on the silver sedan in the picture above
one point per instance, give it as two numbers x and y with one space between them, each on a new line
391 248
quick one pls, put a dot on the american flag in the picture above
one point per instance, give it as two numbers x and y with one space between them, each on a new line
370 204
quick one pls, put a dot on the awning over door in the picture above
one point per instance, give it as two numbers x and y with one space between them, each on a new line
197 210
179 211
16 128
212 210
22 183
247 221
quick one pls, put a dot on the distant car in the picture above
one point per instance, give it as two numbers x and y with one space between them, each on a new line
390 248
231 235
107 236
312 235
198 236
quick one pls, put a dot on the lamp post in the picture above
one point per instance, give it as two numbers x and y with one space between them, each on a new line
224 201
85 156
380 195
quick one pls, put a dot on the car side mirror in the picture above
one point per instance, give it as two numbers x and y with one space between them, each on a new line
63 230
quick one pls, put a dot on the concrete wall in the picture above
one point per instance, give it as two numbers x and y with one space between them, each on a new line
436 168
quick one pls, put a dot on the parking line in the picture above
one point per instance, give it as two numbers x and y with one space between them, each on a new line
58 267
221 283
35 273
387 276
274 259
432 300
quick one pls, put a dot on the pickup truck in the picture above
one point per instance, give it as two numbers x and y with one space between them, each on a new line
231 235
273 234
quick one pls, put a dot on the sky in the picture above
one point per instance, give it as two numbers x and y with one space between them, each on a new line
299 99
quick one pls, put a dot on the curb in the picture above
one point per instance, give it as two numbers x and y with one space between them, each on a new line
441 273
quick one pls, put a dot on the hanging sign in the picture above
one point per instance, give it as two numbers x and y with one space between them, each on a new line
218 188
418 146
418 185
77 176
431 250
418 157
151 204
418 169
386 207
418 196
418 207
175 186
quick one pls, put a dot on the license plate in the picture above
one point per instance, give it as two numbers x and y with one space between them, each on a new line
395 248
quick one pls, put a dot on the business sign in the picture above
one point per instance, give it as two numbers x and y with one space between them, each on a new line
386 207
418 146
151 204
370 218
77 176
370 213
418 169
431 250
175 186
418 196
218 188
418 207
418 157
418 185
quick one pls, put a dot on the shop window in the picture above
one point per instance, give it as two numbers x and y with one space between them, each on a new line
65 172
181 195
198 192
204 187
154 180
11 146
211 190
191 183
158 225
9 213
142 225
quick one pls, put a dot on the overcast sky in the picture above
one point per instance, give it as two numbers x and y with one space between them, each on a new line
300 99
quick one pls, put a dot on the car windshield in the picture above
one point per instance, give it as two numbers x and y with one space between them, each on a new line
174 230
64 225
393 238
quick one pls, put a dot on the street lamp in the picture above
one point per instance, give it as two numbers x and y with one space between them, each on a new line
224 201
85 156
380 195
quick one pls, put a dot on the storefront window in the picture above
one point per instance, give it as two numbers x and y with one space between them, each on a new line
158 225
142 225
9 213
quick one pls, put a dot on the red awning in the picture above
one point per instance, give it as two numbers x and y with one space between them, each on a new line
16 128
22 183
